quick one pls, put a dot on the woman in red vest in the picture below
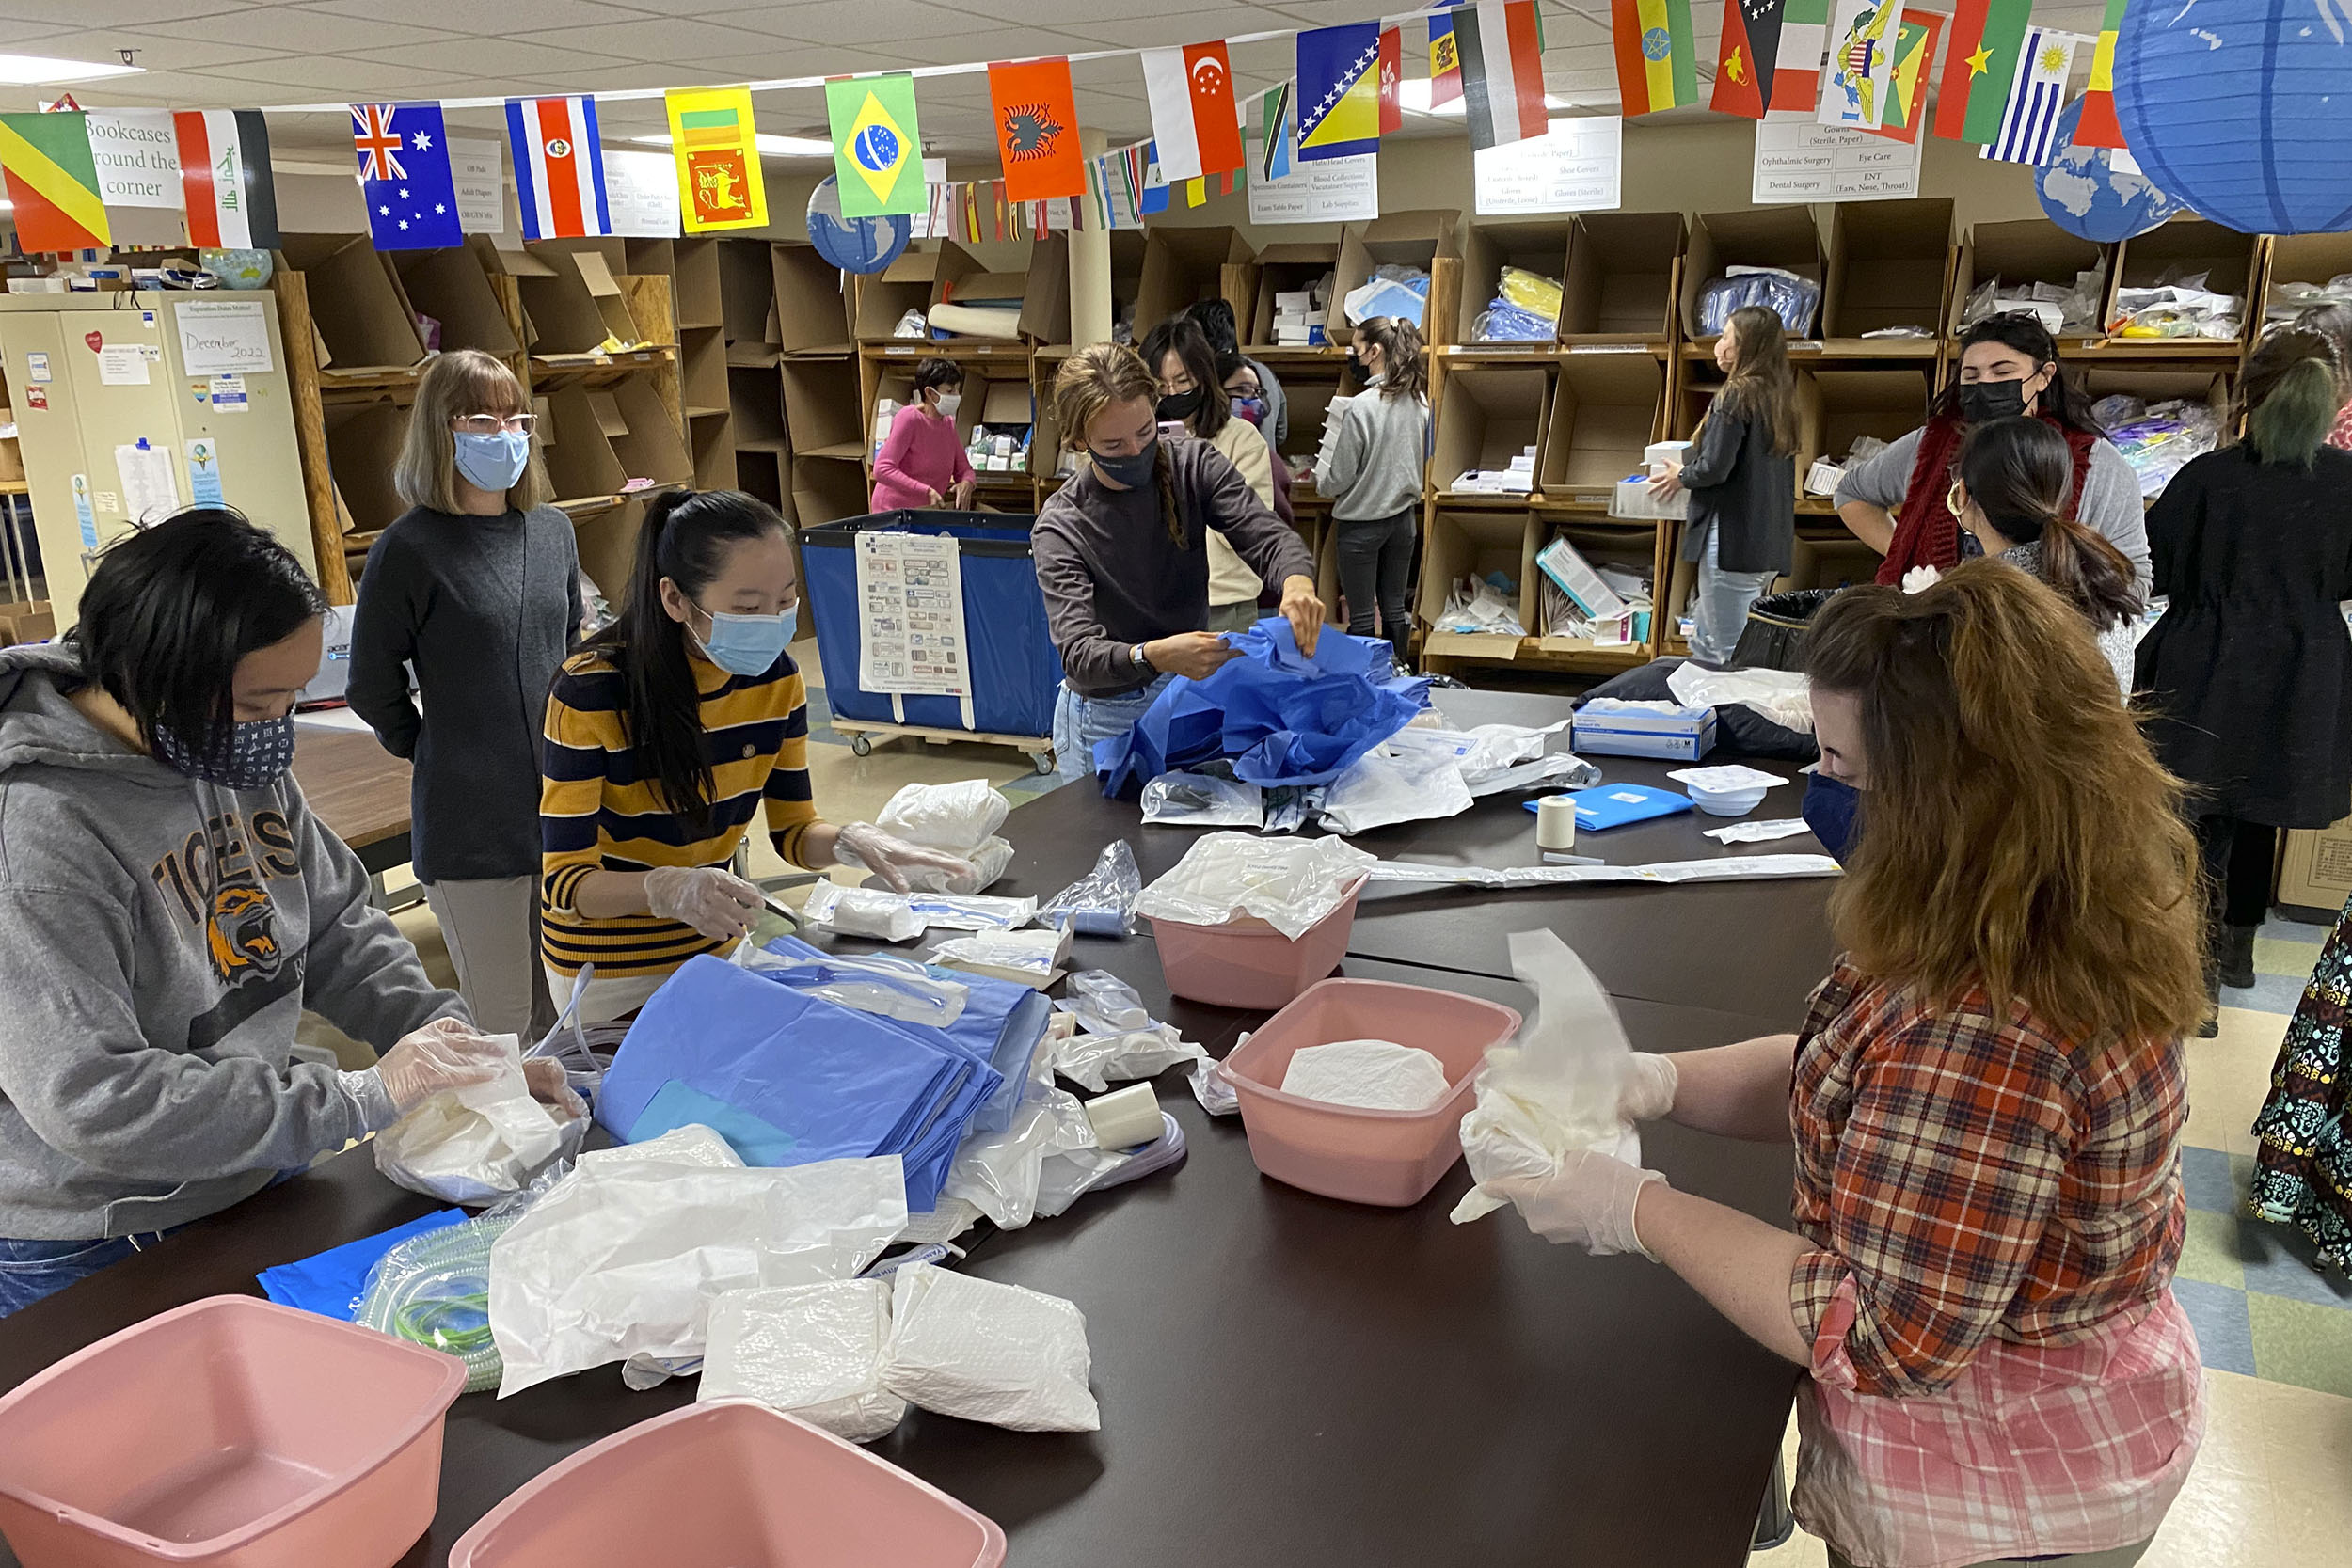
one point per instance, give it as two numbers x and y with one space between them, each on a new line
1893 501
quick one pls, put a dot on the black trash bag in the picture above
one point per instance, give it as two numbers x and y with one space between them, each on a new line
1738 728
1773 638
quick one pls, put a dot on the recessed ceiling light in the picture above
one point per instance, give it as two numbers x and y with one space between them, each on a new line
28 70
1412 95
773 147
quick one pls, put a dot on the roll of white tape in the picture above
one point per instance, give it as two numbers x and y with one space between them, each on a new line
1555 823
1127 1118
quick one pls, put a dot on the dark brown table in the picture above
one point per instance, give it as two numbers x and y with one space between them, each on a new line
359 789
1284 1379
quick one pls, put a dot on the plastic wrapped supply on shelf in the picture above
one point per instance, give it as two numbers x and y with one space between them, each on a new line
1478 605
2183 308
2058 307
2287 301
1519 478
1101 903
1399 292
1794 299
1289 884
996 324
1525 309
1369 1076
911 325
2157 439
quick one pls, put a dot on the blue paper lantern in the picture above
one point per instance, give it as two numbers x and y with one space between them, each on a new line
2241 110
2086 195
853 245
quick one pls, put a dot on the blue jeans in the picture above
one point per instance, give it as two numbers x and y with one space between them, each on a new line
30 1270
1719 609
1080 722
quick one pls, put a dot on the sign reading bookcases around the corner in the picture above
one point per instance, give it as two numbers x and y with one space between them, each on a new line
1798 159
910 595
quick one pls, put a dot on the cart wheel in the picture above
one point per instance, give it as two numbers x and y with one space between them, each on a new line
1041 761
861 746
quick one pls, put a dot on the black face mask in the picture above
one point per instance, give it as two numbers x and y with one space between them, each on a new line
1980 401
1830 808
1181 405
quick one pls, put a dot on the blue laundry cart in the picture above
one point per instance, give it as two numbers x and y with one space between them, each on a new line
1016 671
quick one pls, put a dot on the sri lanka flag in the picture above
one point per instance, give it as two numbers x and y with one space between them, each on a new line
559 168
1657 62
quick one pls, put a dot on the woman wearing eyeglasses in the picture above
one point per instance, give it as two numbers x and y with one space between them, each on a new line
477 587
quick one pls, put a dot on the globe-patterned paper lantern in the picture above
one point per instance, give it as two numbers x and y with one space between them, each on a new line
2241 110
2087 196
853 245
236 269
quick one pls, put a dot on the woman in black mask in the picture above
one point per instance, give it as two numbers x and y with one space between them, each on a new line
1191 394
2008 366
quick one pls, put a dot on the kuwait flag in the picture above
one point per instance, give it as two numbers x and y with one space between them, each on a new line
2097 126
224 178
1748 57
1797 61
1979 66
1502 72
559 168
1657 61
1195 117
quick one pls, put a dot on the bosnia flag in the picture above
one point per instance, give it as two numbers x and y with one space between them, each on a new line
1339 91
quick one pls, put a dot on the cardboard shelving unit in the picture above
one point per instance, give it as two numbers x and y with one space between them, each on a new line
2016 254
1605 410
1783 237
1624 278
1539 246
1889 267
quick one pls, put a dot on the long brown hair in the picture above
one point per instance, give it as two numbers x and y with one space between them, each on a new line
1403 373
2018 833
1762 386
2018 471
1091 381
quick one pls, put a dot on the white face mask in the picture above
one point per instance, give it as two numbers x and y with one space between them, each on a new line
948 404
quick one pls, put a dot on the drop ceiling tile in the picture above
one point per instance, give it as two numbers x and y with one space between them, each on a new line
992 43
327 75
154 53
655 38
1171 31
296 28
521 58
506 19
111 13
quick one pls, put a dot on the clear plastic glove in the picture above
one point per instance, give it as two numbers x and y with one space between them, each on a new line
1650 1088
1588 1202
444 1054
549 1087
868 848
717 903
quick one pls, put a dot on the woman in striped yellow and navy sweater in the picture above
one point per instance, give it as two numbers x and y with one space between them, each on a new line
666 736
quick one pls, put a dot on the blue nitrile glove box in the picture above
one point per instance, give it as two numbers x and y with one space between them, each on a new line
1606 727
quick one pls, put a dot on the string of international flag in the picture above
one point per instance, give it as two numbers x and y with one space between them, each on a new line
1861 65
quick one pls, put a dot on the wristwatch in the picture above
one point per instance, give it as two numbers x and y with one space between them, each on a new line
1135 655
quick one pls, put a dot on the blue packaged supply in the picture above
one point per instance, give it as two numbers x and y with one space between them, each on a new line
331 1283
1615 805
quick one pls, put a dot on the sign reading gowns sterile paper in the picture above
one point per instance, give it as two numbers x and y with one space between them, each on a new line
910 595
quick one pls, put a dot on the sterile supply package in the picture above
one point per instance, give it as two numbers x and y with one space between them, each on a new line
1037 1166
1029 957
1288 883
1423 772
1555 1089
1103 1004
1094 1062
957 817
624 1256
1725 777
813 1352
882 916
1783 696
478 1143
1101 903
433 1288
1760 832
1202 800
870 982
1369 1075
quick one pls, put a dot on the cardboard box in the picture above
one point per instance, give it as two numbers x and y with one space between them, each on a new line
1288 267
363 442
755 397
1487 416
747 294
649 444
11 456
1782 237
1623 272
607 538
1465 543
1046 302
1683 736
703 371
450 286
576 307
820 407
825 490
362 316
1399 239
1604 415
2315 871
2306 258
915 281
1624 547
1183 266
2027 251
27 621
1536 245
574 435
811 302
2184 247
1836 406
1889 265
1825 561
693 268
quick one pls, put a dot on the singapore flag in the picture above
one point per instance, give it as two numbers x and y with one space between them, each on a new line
1194 116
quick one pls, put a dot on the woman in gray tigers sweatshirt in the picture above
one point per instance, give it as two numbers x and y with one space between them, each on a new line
168 906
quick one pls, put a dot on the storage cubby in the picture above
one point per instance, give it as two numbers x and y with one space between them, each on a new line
756 398
607 541
826 490
575 434
1782 237
1286 267
1619 546
1836 406
1422 239
2185 247
646 442
1605 411
363 318
747 301
2019 254
1889 267
450 288
820 408
364 441
576 303
915 281
703 373
693 267
1487 416
1310 388
812 302
1183 266
1462 543
2315 258
1536 245
1623 272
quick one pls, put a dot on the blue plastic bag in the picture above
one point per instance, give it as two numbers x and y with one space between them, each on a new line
331 1283
1283 718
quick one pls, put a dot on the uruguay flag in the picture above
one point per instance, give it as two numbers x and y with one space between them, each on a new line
559 168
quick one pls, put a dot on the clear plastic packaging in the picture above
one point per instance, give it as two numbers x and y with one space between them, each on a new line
1104 1004
1094 1062
1101 903
476 1144
953 816
433 1289
813 1351
1203 800
875 913
1288 883
985 1352
872 983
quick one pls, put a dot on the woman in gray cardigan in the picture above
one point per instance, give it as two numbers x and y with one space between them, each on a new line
477 588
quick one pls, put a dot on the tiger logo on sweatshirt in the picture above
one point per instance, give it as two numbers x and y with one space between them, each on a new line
241 933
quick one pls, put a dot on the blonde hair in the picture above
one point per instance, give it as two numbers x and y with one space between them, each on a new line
460 382
1091 381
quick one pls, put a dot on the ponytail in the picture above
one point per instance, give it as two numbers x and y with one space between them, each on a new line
686 537
2089 573
1404 373
2294 406
1164 474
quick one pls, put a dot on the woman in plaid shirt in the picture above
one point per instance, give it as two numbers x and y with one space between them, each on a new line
1986 1104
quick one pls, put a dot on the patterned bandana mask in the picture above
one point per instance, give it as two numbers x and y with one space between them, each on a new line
259 752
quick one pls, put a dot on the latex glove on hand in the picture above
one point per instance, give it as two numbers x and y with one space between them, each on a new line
444 1054
1589 1201
552 1089
716 902
1303 610
1650 1088
863 845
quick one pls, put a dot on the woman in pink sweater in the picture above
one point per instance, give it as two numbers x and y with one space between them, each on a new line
922 464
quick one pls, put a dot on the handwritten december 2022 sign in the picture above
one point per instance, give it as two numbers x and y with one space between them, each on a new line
223 337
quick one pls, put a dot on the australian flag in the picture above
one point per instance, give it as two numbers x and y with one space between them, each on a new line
404 176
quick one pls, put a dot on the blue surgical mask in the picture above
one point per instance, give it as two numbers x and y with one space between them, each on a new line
1831 809
1252 410
1134 473
255 755
492 462
749 644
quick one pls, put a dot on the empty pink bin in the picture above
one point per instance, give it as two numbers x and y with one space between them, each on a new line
1385 1157
728 1485
230 1433
1246 962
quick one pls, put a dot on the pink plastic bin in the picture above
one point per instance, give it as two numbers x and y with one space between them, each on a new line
728 1485
1385 1157
230 1433
1246 962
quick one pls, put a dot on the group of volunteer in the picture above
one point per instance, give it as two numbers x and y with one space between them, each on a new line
1985 1101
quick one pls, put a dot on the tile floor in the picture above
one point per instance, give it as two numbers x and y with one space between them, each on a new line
2273 1485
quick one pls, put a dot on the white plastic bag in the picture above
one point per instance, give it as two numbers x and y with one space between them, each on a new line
1388 785
1203 800
955 817
622 1260
810 1351
1373 1075
1783 696
985 1352
1026 958
478 1143
1288 883
1001 1174
1555 1088
1094 1062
